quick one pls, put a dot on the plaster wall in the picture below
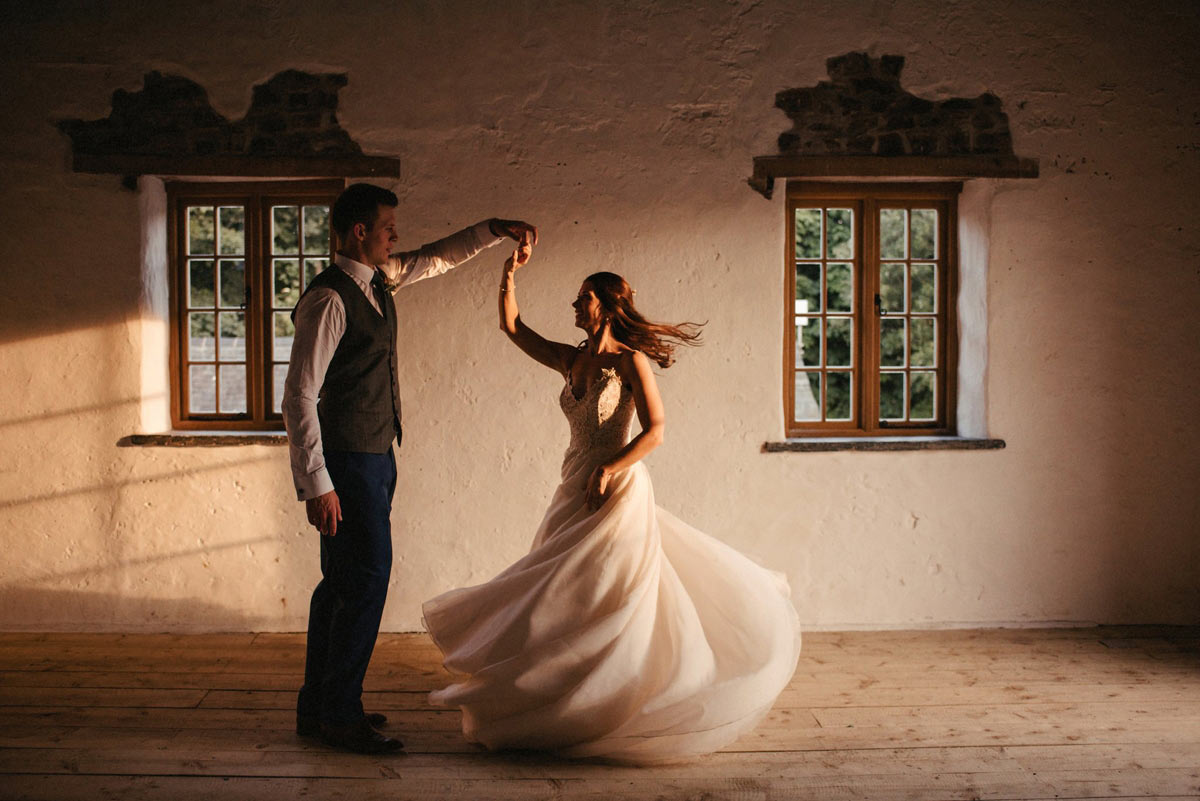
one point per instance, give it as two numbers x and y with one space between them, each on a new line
625 131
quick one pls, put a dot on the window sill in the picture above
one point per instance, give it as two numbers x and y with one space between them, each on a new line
823 444
203 439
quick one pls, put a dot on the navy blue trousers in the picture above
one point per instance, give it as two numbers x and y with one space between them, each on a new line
346 607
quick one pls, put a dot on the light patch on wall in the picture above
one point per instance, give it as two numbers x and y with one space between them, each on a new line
974 234
154 309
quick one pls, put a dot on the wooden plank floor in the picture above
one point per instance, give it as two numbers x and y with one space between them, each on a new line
997 714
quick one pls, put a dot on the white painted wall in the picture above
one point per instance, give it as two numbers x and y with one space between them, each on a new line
626 132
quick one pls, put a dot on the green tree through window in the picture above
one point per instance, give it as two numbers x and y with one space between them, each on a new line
870 275
242 254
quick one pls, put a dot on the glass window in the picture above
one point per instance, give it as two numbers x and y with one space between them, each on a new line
868 272
243 254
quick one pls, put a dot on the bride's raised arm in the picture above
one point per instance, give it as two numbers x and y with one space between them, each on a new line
556 355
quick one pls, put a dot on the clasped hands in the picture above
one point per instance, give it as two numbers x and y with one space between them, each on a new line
524 234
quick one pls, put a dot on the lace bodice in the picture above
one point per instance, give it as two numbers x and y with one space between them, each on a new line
599 420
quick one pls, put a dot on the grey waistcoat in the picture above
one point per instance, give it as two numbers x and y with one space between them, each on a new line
359 402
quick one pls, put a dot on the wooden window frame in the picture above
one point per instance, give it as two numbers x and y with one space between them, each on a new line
257 198
866 199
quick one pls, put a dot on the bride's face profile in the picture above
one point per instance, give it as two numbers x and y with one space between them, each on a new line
587 309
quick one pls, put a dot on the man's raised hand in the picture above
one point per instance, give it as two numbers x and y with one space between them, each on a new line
521 232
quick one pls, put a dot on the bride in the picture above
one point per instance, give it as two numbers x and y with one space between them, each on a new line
624 633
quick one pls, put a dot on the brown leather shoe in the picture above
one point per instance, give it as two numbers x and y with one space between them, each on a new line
360 738
310 725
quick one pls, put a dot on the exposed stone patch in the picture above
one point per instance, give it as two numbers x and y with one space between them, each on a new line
293 114
863 111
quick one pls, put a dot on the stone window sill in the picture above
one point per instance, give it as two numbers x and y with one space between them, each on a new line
825 444
203 439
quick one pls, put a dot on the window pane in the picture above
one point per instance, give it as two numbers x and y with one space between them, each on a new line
892 223
233 282
839 287
285 331
922 349
870 285
924 233
837 396
808 342
922 394
840 233
233 388
316 229
201 283
233 336
285 229
200 229
278 376
312 267
808 396
891 288
808 288
202 341
924 288
891 396
808 234
232 236
287 282
202 388
891 343
839 342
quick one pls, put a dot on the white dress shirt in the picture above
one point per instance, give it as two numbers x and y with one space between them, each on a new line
320 323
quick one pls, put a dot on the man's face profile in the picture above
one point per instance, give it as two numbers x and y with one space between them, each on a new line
380 239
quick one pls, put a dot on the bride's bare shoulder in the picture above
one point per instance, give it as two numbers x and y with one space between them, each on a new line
630 362
632 355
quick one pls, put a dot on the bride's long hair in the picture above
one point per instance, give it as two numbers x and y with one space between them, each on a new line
657 340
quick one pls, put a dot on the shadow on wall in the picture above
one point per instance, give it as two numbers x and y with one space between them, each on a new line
116 486
95 570
93 276
76 411
79 610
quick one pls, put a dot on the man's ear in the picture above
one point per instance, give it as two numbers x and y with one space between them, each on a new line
359 231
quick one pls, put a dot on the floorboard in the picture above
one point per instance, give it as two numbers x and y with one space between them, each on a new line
1098 713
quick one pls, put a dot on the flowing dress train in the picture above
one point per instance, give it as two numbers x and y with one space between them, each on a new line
624 633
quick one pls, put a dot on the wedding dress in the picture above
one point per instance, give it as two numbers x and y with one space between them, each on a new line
624 633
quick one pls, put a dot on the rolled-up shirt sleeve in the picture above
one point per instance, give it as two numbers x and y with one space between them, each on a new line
440 256
320 323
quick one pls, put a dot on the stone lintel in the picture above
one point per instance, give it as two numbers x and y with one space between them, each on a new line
250 166
768 168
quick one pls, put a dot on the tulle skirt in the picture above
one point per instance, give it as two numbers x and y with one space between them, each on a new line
624 634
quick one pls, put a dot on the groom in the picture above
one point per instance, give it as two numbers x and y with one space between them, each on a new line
341 408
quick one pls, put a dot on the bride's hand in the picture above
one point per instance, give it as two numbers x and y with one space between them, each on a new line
519 257
597 487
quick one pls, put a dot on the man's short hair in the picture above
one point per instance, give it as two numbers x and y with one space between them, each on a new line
359 203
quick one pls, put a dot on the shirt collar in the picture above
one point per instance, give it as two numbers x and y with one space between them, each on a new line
355 269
